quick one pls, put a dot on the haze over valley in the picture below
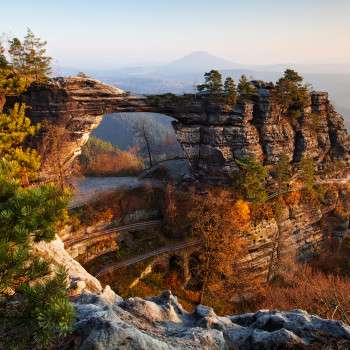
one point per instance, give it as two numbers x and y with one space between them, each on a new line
182 76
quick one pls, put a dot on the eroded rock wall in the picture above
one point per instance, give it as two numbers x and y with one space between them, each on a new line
212 134
214 137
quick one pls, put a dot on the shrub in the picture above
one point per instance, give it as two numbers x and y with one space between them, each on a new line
310 290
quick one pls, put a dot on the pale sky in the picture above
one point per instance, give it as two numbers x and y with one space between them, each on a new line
110 33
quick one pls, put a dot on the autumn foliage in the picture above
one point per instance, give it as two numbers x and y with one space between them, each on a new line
100 158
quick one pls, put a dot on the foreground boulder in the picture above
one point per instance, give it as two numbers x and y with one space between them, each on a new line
162 323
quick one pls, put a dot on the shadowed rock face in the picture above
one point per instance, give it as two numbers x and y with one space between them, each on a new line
212 134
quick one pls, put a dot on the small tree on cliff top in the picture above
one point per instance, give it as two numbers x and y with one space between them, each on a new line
230 91
246 89
213 84
291 92
29 58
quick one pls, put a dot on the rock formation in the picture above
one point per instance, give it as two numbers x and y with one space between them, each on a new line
77 105
106 321
212 134
162 323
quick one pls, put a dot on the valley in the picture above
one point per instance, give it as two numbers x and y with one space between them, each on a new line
215 216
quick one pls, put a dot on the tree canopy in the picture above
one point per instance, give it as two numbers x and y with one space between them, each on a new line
230 91
246 89
252 178
291 92
34 308
213 83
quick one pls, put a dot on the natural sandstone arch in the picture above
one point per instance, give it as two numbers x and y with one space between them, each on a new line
212 134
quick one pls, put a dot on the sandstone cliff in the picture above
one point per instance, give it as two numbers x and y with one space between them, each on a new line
212 134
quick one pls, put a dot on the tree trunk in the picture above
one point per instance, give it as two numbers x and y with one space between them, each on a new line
2 102
148 146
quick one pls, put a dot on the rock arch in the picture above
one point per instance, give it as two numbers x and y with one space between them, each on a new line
212 133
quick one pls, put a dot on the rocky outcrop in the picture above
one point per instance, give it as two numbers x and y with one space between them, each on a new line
77 105
106 321
56 255
162 323
212 134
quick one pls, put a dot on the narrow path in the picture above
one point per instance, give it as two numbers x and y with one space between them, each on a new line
135 226
156 252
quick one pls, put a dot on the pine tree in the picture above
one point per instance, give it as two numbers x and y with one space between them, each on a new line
283 173
230 91
15 127
28 58
3 60
35 57
246 90
42 311
34 308
252 180
213 84
291 92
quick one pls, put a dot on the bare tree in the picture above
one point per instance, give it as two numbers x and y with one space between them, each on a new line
55 152
143 131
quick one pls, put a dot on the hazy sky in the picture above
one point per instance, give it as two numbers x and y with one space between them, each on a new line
109 33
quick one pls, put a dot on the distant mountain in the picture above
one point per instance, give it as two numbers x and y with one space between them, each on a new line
199 61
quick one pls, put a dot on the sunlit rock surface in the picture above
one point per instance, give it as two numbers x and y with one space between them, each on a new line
162 323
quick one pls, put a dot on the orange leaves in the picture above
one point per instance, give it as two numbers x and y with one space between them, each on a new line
293 198
241 213
108 164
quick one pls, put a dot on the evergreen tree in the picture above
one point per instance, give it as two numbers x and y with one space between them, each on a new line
41 311
3 60
307 170
245 89
29 58
213 84
35 57
17 56
283 173
230 91
15 127
252 180
291 92
34 309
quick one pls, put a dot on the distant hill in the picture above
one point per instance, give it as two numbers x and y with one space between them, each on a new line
199 61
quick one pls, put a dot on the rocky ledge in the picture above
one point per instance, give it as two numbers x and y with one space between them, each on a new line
162 323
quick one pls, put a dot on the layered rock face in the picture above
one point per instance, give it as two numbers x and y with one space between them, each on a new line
212 134
77 105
